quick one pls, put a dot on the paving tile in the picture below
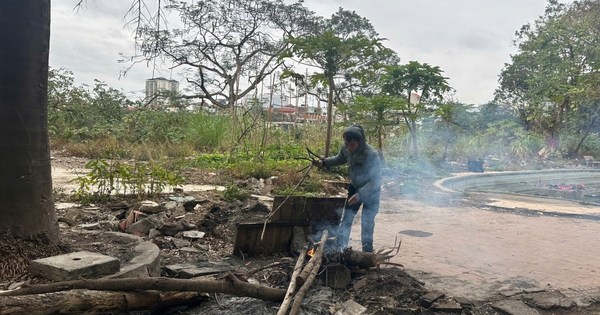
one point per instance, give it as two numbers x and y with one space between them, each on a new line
477 245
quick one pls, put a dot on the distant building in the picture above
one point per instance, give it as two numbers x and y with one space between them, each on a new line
158 90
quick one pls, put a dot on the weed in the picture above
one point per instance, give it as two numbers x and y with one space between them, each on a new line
233 193
140 179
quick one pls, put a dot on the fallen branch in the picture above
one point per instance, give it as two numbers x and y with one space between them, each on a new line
230 285
393 264
96 302
257 269
318 257
292 287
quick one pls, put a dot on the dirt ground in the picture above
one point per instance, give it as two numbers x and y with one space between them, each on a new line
385 290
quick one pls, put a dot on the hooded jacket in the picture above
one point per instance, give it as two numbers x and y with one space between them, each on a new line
364 165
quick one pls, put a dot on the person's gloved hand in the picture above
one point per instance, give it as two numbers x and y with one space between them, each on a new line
354 199
318 162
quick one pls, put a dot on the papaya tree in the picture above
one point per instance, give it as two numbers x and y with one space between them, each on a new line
344 47
414 77
376 114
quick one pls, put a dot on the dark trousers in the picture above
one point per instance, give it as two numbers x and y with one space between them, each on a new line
370 208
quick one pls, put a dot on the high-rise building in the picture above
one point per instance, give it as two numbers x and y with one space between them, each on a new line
158 90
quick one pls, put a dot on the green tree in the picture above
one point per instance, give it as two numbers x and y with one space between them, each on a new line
556 65
66 105
375 114
449 122
224 42
414 77
77 113
344 47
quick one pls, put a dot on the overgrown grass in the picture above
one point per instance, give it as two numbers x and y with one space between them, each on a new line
209 132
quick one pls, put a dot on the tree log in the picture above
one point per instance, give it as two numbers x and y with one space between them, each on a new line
360 259
230 285
318 257
303 275
292 287
94 302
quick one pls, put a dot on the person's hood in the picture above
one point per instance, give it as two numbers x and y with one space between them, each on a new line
358 130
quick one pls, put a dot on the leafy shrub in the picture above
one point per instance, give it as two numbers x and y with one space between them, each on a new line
526 146
140 179
233 193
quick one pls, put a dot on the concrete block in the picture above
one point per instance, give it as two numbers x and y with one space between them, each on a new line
198 269
74 266
514 307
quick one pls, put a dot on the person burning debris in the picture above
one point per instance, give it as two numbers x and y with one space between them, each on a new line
364 169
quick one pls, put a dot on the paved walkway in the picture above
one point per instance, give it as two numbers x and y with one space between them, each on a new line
476 253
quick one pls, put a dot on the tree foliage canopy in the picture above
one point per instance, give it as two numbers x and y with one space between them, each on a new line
556 68
221 42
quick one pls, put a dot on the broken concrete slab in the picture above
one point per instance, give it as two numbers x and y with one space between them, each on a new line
545 300
351 307
180 243
514 307
172 228
429 298
464 302
510 293
146 224
189 270
74 266
146 262
151 207
446 305
196 235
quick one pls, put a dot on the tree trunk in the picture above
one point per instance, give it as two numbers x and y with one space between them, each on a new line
585 134
94 302
329 116
360 259
26 202
380 145
413 135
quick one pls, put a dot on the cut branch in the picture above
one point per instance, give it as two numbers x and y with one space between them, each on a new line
292 287
318 258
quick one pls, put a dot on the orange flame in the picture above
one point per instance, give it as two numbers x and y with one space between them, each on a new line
311 252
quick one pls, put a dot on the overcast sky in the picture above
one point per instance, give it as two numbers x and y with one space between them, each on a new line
470 40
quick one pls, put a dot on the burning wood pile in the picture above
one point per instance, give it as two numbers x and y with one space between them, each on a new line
334 264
